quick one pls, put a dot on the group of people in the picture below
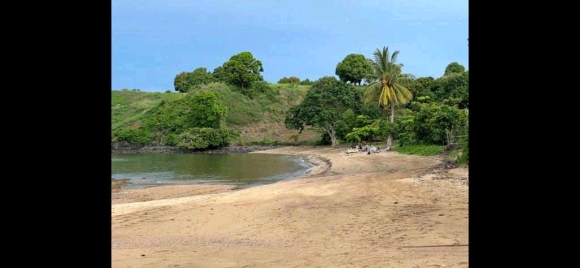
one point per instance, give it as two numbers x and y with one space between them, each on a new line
366 148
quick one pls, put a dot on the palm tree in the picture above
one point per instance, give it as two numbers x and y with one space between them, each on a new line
387 86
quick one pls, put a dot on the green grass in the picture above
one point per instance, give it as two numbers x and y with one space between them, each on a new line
303 88
423 150
128 107
243 113
464 158
291 95
241 109
455 154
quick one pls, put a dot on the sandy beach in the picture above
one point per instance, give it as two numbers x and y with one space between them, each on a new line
379 210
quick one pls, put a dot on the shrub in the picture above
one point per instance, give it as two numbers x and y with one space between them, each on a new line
132 136
205 138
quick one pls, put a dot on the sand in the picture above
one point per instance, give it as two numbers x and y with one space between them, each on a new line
379 210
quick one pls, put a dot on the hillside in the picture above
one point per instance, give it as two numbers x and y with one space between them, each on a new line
128 107
260 120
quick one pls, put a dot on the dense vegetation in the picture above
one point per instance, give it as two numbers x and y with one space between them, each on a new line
258 120
324 106
234 105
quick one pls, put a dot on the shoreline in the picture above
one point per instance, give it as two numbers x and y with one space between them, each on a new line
379 210
120 194
176 150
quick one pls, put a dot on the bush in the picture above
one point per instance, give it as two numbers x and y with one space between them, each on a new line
262 88
433 121
464 159
206 138
324 139
366 133
132 136
289 80
201 109
171 139
306 82
405 128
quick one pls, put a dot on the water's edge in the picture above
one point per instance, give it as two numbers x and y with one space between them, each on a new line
306 163
171 149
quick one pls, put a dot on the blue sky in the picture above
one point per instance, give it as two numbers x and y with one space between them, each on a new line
153 41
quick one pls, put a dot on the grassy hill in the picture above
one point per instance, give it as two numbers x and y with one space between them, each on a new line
128 107
260 120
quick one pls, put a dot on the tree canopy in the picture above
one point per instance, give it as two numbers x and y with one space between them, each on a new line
429 111
243 69
454 67
184 81
353 68
324 106
219 74
289 80
202 109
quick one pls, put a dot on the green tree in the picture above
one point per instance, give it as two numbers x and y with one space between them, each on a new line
435 120
421 88
454 67
289 80
219 74
204 138
293 80
181 82
283 80
184 81
324 106
387 88
207 110
295 118
346 125
306 82
353 68
422 85
243 69
406 130
201 76
202 109
453 89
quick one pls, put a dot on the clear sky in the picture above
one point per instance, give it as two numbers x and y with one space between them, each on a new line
153 41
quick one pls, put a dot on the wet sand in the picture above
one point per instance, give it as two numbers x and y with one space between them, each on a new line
378 210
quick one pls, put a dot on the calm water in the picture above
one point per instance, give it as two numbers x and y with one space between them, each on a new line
146 170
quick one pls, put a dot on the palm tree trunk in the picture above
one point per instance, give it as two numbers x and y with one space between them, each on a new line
392 119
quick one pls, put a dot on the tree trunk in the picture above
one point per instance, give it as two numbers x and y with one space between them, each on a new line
392 115
392 119
332 133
